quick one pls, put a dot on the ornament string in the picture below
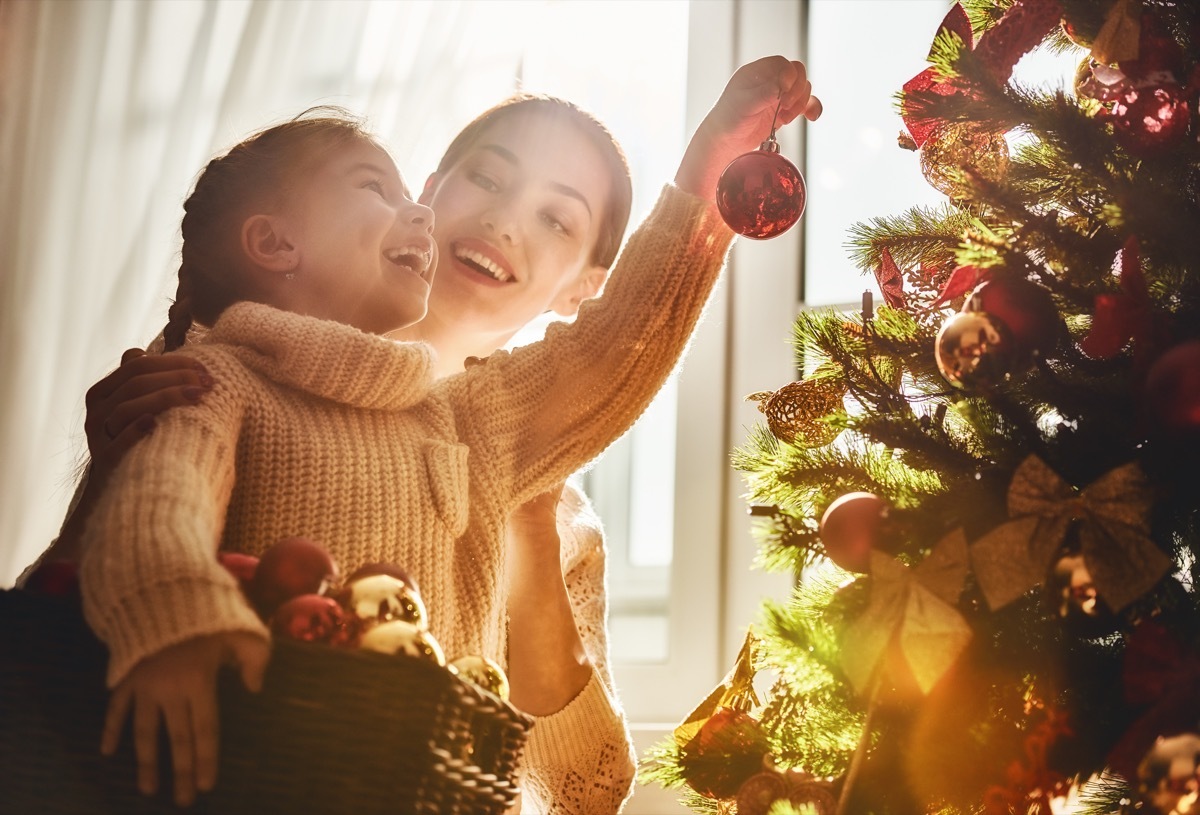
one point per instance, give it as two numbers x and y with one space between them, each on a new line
775 117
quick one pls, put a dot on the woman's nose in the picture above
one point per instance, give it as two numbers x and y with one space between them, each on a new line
501 218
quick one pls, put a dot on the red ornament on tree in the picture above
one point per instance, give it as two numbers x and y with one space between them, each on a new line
1150 118
727 750
761 194
1025 308
1172 394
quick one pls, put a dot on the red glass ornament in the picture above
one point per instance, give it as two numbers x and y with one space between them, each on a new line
761 194
727 750
1025 308
314 618
291 567
1149 119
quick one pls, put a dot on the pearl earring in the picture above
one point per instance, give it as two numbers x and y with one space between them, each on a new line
290 276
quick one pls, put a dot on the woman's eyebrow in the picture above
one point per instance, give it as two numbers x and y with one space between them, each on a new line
564 189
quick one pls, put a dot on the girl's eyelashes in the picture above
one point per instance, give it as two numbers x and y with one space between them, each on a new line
376 185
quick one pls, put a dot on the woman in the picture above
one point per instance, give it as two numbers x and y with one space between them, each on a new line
529 213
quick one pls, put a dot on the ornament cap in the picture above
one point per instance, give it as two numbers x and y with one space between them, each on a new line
770 145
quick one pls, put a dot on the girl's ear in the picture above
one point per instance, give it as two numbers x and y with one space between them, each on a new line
585 287
431 184
268 245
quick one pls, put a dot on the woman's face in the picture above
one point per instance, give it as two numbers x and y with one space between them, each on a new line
366 254
517 219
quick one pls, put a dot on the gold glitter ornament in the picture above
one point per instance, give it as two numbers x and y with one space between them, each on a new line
794 412
963 146
483 672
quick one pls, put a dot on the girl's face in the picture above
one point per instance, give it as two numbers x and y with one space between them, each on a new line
365 250
517 219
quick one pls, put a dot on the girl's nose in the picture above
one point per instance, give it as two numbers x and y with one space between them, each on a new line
421 215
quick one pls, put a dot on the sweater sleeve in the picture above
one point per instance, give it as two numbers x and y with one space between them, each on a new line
581 758
149 575
544 410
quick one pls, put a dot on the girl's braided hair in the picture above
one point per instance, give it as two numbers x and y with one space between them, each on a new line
255 174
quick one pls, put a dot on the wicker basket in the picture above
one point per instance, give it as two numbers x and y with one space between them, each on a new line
333 731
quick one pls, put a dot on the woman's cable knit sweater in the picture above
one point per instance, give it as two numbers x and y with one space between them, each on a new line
314 428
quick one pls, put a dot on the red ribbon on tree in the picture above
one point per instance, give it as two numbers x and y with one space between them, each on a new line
890 280
962 280
1023 26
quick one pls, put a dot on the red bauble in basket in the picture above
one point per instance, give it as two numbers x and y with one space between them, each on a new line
761 194
291 567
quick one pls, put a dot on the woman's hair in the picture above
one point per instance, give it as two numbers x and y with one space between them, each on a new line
616 217
255 174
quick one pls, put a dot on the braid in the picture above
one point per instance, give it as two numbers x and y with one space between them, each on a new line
179 315
252 174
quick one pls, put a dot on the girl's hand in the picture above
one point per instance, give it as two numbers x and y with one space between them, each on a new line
741 119
178 684
121 407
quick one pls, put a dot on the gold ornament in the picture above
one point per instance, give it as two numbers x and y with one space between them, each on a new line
1113 517
1169 775
794 412
399 637
1077 591
381 598
735 691
917 608
963 146
481 671
974 350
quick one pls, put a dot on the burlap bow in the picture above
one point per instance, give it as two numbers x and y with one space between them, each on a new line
915 605
1113 535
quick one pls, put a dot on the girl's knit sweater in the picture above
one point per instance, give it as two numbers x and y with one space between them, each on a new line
316 429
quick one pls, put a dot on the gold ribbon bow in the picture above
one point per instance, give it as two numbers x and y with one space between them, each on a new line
1113 534
736 690
918 607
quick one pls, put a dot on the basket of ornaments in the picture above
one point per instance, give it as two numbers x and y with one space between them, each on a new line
360 711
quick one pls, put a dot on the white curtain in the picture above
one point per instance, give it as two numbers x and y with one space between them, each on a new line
108 110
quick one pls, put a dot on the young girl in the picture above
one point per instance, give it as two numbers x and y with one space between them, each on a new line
743 118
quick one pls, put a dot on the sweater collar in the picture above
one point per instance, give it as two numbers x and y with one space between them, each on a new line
330 359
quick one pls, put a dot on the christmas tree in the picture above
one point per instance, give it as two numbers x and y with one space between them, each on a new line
989 485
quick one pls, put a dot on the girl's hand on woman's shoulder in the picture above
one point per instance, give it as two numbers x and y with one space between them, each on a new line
741 119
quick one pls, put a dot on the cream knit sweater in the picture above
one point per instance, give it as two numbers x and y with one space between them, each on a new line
314 428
